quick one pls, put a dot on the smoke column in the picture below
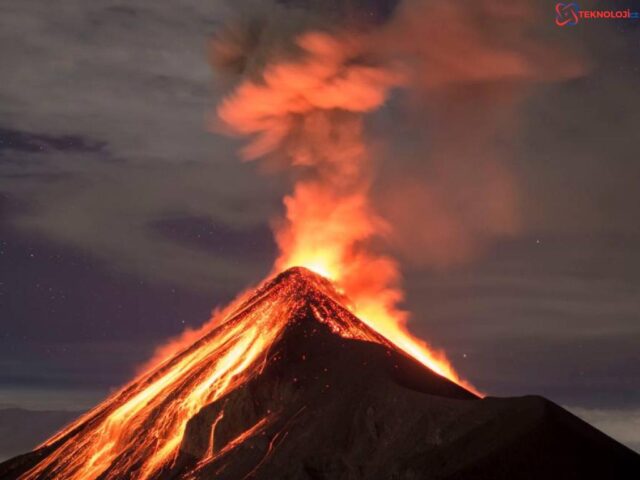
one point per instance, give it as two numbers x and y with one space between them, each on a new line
300 96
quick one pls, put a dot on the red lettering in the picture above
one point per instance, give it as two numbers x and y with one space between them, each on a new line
592 14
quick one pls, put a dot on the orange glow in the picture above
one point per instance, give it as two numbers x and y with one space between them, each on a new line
325 235
309 112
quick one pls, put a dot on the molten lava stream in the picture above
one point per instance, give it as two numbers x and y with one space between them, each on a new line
223 359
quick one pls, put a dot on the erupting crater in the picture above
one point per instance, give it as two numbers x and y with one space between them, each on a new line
291 385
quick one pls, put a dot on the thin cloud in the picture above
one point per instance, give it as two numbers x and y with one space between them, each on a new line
623 425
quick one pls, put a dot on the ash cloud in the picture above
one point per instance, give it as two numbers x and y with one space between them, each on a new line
452 188
463 72
133 79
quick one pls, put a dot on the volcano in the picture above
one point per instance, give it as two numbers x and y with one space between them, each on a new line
291 385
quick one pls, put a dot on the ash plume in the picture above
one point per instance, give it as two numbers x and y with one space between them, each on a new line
301 86
304 111
472 65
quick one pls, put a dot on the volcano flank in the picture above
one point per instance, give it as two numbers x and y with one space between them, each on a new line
291 385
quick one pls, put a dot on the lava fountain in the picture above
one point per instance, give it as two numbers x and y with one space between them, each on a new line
307 113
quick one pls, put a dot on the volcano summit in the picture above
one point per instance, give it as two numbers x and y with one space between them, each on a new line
291 385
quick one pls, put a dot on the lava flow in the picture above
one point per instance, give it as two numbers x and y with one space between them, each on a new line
137 432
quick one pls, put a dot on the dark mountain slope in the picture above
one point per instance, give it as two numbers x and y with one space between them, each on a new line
325 404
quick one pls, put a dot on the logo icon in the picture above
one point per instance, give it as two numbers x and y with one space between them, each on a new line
567 14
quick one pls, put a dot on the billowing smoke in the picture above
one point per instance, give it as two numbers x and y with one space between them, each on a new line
307 113
471 65
303 85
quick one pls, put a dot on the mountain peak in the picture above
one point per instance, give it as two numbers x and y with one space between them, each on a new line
308 294
300 282
141 429
304 275
290 384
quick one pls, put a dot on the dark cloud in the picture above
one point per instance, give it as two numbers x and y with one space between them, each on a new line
105 136
15 140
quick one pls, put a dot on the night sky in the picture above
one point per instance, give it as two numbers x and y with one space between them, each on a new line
123 220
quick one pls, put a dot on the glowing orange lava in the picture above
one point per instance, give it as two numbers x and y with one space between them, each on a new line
139 430
325 235
145 419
